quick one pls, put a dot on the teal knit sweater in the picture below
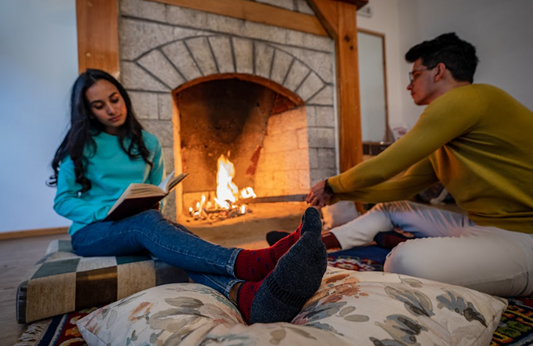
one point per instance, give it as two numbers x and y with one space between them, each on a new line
110 171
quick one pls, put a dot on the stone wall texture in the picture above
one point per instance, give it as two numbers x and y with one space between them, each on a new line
164 46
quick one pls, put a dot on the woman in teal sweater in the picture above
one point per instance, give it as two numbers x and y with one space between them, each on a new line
106 149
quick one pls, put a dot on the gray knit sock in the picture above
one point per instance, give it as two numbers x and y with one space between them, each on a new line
296 277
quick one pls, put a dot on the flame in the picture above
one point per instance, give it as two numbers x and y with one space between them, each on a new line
227 193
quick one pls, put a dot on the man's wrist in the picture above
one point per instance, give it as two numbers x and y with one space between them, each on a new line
327 187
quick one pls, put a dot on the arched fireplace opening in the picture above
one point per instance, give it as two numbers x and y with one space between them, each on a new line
257 124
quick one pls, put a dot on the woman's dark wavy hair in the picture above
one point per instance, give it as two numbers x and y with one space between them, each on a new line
458 55
83 126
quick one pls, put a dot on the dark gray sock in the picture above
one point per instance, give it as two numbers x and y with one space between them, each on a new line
296 277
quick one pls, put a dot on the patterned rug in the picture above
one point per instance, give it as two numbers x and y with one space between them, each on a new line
56 331
515 329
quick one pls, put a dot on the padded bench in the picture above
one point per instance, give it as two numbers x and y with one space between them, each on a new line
63 282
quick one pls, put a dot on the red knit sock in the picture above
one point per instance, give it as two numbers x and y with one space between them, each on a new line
255 265
330 241
245 298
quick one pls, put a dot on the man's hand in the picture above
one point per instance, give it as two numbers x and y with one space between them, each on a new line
318 197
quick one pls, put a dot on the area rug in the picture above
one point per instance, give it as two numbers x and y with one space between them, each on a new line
515 329
56 331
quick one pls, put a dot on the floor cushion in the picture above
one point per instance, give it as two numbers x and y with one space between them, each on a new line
62 282
350 308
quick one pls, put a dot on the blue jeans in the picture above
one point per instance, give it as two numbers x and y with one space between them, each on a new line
204 262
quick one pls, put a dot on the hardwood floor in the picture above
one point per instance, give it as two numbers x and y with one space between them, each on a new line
17 256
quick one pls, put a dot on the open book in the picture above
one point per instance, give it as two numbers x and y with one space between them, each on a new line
141 197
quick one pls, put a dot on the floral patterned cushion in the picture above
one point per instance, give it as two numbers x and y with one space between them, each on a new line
350 308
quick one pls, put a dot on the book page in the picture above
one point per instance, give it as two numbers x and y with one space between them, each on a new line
163 185
171 181
143 190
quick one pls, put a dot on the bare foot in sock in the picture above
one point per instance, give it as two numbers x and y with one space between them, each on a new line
295 279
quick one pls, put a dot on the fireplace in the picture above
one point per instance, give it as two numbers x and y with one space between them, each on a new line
207 85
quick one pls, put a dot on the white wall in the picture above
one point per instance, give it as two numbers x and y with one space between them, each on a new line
38 64
500 31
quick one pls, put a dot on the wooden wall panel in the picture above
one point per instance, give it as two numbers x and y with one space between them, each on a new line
255 12
350 137
97 23
339 18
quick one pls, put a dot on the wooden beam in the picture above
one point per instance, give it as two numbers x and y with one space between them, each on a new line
350 137
327 13
255 12
358 3
340 20
97 24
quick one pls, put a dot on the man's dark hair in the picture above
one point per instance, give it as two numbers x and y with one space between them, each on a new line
458 55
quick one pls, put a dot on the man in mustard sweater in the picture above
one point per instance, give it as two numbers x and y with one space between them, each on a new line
477 141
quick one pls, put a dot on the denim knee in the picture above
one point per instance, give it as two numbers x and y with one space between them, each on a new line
151 216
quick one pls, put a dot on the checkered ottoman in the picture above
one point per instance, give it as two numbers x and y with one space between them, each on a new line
63 282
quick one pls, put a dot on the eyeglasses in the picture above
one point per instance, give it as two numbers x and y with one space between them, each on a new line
411 78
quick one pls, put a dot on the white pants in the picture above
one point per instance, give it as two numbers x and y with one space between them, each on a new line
456 250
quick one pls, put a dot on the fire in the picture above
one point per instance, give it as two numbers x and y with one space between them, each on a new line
225 203
226 188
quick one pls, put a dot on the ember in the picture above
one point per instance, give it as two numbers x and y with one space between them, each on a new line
225 205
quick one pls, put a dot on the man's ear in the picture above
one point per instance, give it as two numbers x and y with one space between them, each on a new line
441 70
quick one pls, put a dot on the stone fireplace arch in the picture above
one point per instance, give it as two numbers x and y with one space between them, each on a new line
157 58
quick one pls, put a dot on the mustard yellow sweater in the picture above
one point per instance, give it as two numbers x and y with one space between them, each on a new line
477 140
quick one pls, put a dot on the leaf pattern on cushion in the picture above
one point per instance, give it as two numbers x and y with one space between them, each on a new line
357 318
185 302
301 332
163 320
415 301
345 287
457 303
277 336
140 311
206 291
335 278
113 315
412 282
127 300
243 339
402 329
323 326
345 311
318 311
